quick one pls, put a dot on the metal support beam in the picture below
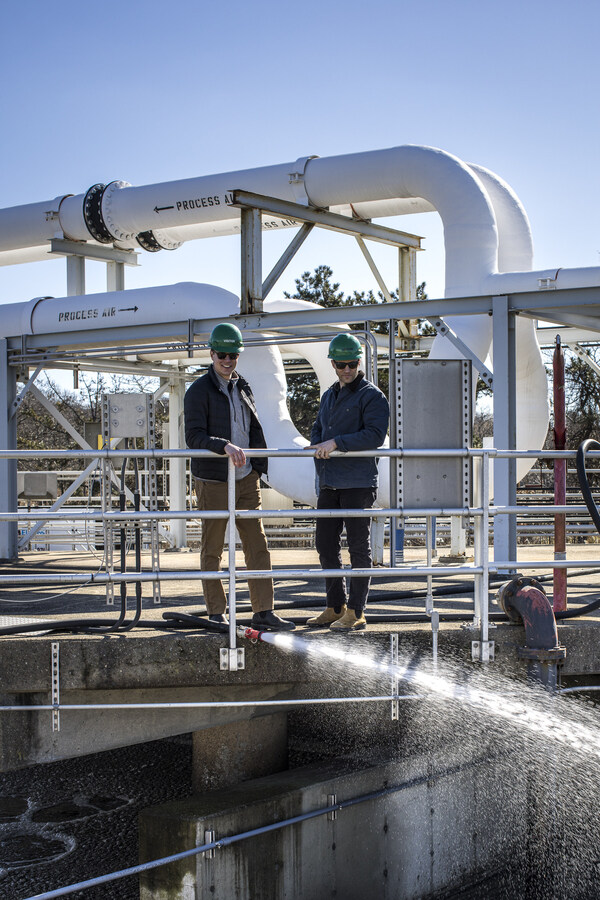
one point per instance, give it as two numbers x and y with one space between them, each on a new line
374 269
75 276
505 427
115 276
285 258
17 403
465 351
407 286
8 467
585 356
93 251
251 291
285 209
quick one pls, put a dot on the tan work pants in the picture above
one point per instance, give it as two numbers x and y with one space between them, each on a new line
212 495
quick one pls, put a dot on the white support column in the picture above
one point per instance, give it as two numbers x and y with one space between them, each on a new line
115 276
8 467
251 293
75 276
177 466
505 427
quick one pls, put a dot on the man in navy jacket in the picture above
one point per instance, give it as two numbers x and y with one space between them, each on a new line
220 415
353 415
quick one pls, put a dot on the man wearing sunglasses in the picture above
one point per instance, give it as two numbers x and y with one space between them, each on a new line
353 415
220 415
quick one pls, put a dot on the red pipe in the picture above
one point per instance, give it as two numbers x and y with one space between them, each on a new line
560 478
525 602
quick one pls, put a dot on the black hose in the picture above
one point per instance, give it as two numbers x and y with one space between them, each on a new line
584 484
138 549
196 622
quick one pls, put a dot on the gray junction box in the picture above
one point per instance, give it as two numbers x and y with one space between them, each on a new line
433 410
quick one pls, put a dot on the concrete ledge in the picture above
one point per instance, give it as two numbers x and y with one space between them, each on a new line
443 823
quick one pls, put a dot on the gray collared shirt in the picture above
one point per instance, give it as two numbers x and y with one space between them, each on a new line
239 417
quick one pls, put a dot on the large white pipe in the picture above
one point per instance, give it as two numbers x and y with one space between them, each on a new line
515 253
407 173
114 309
485 228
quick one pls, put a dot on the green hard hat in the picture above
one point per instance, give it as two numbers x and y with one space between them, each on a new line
226 338
345 347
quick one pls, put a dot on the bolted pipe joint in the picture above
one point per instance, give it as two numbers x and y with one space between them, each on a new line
525 603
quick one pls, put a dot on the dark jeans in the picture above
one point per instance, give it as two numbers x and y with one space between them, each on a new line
328 543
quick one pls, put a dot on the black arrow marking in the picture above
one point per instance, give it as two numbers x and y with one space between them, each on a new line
129 309
158 209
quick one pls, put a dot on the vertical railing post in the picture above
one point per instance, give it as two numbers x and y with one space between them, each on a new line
483 649
485 545
231 534
559 576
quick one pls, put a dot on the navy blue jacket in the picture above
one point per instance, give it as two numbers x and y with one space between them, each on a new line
357 418
208 425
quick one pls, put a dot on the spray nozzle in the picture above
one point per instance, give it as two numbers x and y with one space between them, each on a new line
250 634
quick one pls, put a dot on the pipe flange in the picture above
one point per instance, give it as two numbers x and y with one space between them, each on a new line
108 213
148 242
164 241
92 214
552 654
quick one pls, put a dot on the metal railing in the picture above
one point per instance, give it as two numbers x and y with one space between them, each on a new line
482 517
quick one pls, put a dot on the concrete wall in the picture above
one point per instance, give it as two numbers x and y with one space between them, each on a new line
446 820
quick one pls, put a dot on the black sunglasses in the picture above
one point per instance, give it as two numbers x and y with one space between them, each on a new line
353 364
233 356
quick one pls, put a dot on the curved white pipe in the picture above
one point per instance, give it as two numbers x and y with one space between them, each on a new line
409 173
485 228
515 252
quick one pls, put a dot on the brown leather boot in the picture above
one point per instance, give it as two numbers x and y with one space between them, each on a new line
350 621
328 616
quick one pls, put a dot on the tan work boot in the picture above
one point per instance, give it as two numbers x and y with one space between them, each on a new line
328 616
350 621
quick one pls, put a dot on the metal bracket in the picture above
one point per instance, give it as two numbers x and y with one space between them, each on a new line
445 331
395 680
332 801
482 651
55 669
209 838
297 180
232 660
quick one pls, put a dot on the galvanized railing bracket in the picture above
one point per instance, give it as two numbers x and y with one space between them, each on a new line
232 660
482 651
55 669
209 838
395 680
332 801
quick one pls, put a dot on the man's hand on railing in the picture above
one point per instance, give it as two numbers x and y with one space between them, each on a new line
323 450
237 455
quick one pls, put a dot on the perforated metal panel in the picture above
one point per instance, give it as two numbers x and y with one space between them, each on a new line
433 411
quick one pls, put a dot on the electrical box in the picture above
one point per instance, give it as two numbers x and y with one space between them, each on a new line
128 416
433 411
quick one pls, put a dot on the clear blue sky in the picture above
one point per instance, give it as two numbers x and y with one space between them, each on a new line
145 91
